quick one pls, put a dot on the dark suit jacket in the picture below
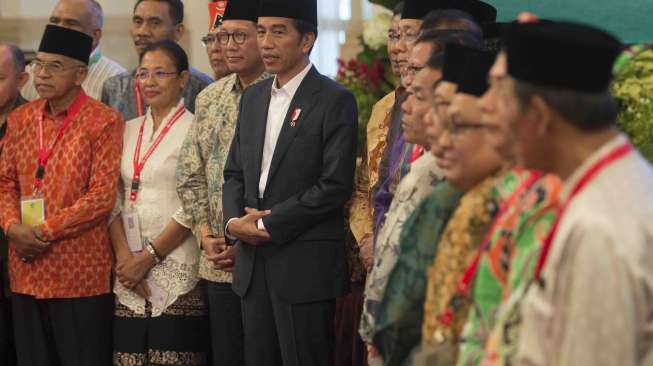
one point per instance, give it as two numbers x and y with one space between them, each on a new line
310 180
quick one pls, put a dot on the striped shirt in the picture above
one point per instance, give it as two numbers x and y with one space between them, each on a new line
100 69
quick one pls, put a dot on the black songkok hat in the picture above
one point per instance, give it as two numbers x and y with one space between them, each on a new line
305 10
561 55
418 9
473 78
455 60
242 10
66 42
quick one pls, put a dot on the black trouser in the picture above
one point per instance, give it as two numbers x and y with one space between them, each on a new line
7 349
226 325
280 333
63 332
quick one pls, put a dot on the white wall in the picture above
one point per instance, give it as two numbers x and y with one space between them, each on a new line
337 27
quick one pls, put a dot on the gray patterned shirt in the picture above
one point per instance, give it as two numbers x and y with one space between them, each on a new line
202 160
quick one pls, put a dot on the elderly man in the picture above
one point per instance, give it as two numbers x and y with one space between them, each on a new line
589 302
152 21
58 183
85 16
12 78
214 50
199 174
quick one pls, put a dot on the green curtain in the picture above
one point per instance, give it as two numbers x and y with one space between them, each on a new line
630 20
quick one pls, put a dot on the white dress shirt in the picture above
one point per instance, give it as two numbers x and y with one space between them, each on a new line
279 105
280 100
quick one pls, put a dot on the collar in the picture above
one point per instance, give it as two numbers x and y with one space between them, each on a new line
571 182
96 55
46 109
291 86
150 120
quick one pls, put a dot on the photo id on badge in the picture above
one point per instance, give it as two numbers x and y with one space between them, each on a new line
132 227
32 211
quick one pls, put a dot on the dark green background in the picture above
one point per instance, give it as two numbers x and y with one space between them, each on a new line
630 20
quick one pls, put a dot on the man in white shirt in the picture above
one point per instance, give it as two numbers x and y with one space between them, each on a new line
288 176
589 302
84 16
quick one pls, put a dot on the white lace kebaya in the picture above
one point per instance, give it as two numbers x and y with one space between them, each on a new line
157 203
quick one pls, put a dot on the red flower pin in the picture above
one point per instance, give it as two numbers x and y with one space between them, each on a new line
295 117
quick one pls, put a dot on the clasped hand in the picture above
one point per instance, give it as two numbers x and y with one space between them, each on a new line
246 230
131 271
28 241
219 253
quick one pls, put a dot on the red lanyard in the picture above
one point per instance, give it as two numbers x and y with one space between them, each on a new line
595 169
139 100
138 166
467 278
46 154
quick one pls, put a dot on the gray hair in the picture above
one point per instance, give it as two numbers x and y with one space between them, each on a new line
17 56
98 13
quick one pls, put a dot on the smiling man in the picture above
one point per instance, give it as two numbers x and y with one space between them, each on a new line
58 183
84 16
200 178
289 174
152 21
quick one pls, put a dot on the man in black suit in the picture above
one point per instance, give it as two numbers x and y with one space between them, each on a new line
288 176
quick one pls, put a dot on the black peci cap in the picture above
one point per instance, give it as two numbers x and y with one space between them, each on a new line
66 42
561 55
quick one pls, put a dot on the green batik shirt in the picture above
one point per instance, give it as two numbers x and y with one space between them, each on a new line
400 312
510 257
202 160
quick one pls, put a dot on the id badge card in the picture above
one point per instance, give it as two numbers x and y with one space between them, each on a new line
32 211
132 225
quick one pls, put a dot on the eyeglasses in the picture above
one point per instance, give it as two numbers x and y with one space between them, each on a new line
409 37
209 40
50 67
143 75
393 37
239 37
456 128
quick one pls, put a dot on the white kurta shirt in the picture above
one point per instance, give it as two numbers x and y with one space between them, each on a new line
597 305
157 204
279 105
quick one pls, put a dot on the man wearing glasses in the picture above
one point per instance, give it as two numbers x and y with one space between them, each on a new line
84 16
58 183
199 173
214 50
153 21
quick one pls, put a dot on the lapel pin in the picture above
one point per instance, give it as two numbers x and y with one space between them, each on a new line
295 117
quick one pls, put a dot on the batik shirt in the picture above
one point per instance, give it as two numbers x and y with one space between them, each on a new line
459 243
516 240
400 311
202 160
367 176
416 185
118 92
79 190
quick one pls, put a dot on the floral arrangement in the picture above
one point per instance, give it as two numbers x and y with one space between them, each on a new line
369 76
633 88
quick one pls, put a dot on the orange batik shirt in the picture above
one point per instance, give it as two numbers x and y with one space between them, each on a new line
79 189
